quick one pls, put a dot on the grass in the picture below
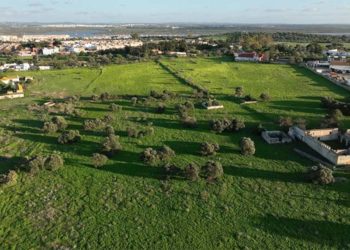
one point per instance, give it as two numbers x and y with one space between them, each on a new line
262 202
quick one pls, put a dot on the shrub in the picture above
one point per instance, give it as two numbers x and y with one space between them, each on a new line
108 119
92 125
39 163
172 170
60 122
331 103
236 125
99 160
150 156
265 97
114 107
73 99
69 137
111 145
134 101
286 122
247 146
330 121
182 109
220 125
109 130
54 162
300 123
50 127
161 108
9 179
249 98
227 125
321 175
154 157
95 98
105 97
192 172
213 170
166 153
35 165
150 130
189 105
259 129
336 114
132 132
209 148
189 122
210 103
239 91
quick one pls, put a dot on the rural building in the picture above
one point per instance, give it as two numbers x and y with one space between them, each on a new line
318 139
248 57
276 137
44 67
177 53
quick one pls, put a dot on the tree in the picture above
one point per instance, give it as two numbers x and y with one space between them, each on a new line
192 172
111 145
265 97
54 162
239 91
60 121
69 137
135 36
247 146
321 175
99 160
213 170
208 149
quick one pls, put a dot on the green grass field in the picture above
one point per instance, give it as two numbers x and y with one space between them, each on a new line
263 202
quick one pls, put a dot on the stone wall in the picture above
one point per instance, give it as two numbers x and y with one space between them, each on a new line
337 157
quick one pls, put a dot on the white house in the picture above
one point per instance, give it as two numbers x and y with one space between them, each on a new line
50 51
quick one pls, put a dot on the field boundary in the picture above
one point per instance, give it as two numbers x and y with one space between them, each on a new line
181 78
96 78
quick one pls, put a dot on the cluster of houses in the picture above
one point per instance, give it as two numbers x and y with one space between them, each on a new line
69 46
21 67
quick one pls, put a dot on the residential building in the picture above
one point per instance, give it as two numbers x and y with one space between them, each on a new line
248 57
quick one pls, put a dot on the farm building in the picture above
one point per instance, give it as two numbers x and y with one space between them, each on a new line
329 143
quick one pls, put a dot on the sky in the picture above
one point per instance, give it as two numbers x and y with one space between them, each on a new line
184 11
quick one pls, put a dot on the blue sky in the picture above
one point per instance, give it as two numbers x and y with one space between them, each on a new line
155 11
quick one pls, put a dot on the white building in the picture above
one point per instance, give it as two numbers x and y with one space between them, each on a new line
44 67
50 51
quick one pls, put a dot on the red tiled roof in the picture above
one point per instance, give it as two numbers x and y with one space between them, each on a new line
247 54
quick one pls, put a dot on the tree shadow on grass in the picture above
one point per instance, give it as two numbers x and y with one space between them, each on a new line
9 163
264 174
298 106
135 170
202 126
321 82
184 147
84 148
332 234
